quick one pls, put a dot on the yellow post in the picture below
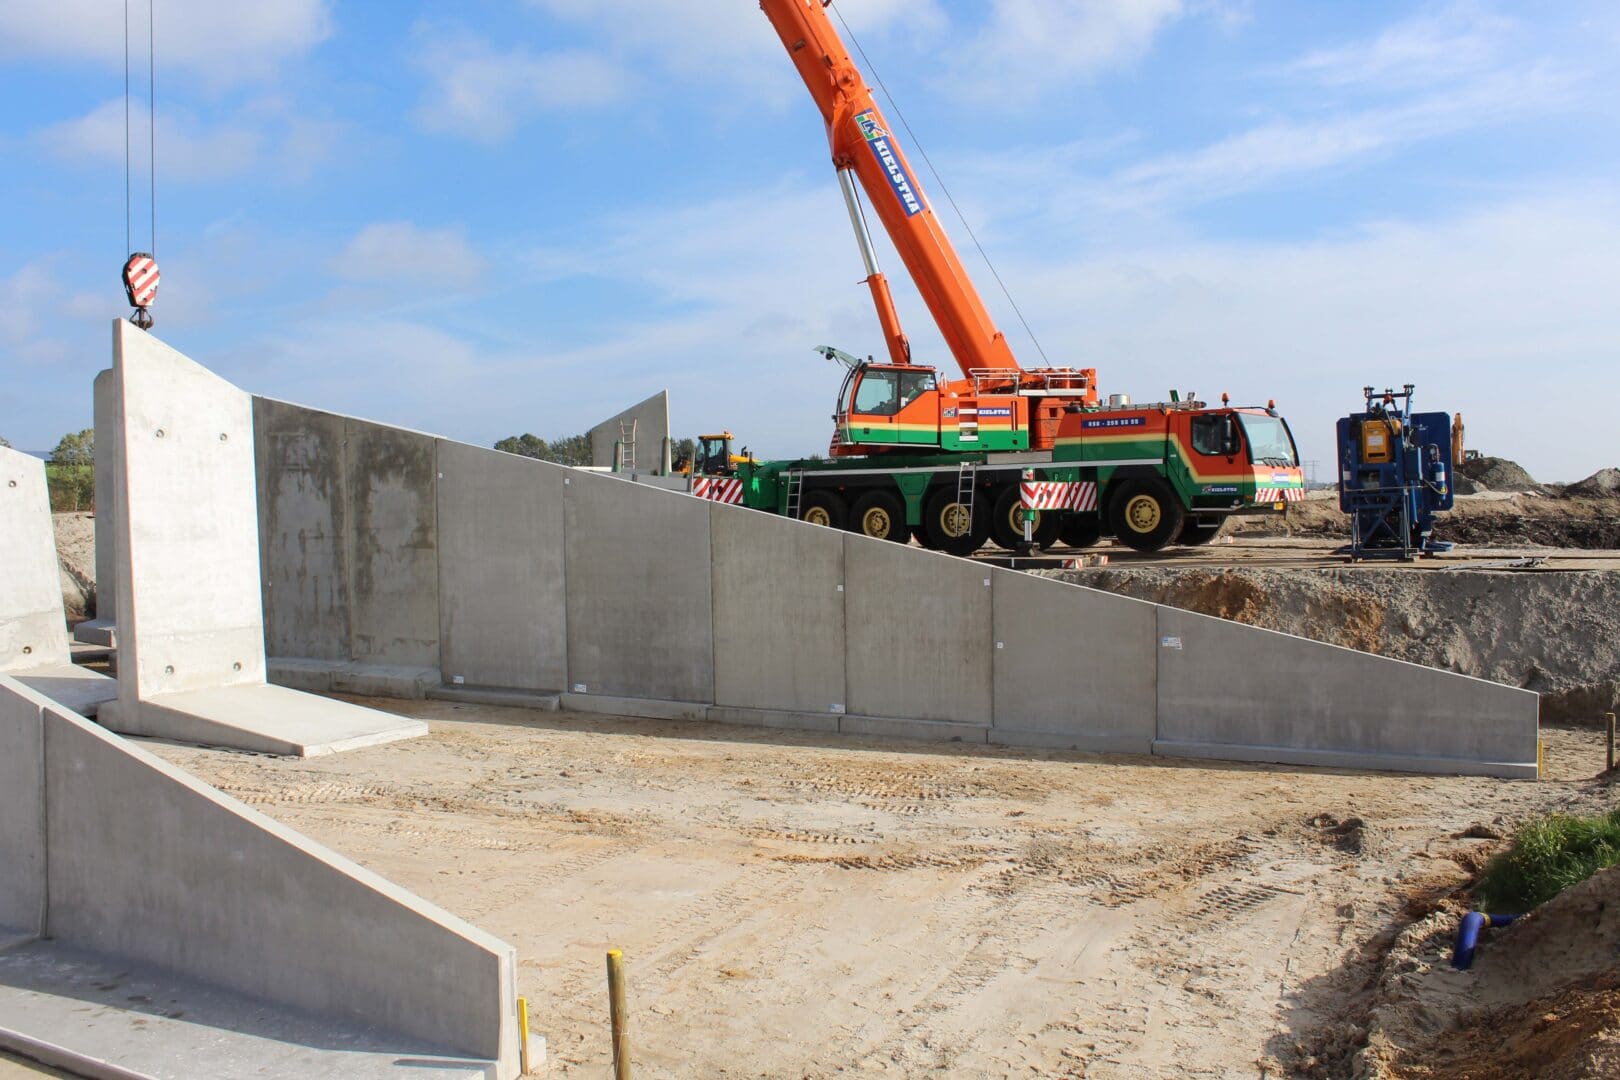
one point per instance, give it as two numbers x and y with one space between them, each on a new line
616 1009
523 1036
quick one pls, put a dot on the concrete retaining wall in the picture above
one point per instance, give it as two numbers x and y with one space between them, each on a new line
113 850
634 600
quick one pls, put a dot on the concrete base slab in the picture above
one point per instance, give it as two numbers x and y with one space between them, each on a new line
1336 759
511 699
263 719
101 632
97 1016
76 688
347 677
775 718
1057 740
648 708
920 730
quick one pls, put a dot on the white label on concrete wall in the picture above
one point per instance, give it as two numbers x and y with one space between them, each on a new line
579 688
839 709
1168 642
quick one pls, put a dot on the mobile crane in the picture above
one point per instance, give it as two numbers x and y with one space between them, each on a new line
913 453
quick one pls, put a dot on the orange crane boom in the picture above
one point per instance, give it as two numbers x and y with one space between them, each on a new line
863 144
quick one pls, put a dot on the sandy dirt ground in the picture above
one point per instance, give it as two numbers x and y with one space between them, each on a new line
792 904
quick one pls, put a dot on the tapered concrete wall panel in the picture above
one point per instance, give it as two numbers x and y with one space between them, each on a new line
1074 664
188 565
22 812
918 628
648 420
639 591
502 595
303 527
778 613
1236 691
33 633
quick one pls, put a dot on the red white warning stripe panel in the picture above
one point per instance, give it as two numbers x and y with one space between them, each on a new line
1274 495
141 280
1057 495
718 489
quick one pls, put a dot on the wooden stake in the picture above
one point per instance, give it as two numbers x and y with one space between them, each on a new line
1610 718
617 1011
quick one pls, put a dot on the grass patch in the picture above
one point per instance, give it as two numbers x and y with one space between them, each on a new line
1548 856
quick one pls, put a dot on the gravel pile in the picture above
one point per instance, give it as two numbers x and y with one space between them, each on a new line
1499 474
1601 484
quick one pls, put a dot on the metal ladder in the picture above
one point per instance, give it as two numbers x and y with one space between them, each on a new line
627 440
966 484
795 490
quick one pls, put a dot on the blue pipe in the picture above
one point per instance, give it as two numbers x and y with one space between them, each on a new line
1462 957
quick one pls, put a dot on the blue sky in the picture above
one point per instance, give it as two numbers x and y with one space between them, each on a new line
500 216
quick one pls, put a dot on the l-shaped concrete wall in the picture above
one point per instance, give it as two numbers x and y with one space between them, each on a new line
108 848
398 561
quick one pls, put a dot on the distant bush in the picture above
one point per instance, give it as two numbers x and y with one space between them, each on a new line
1548 856
72 487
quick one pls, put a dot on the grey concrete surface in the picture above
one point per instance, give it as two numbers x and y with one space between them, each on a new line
778 613
33 630
22 813
34 642
918 629
502 596
390 479
1239 691
102 629
303 530
191 656
1073 667
639 591
148 864
652 428
94 1016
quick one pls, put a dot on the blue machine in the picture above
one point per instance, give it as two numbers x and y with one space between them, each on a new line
1394 476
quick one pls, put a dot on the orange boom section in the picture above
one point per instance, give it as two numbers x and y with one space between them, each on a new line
862 142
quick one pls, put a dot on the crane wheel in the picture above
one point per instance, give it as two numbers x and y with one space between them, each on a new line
881 516
1145 514
824 508
1007 523
1081 530
948 527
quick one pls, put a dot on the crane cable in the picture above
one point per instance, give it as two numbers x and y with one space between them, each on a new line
940 181
140 270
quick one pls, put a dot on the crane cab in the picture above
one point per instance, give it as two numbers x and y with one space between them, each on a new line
906 406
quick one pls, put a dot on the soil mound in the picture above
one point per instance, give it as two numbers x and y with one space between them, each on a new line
1499 474
1542 999
76 558
1601 484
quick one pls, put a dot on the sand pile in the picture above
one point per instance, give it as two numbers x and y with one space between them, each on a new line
76 556
1555 633
1499 474
1605 483
1541 1001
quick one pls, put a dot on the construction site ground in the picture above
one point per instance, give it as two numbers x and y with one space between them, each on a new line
794 904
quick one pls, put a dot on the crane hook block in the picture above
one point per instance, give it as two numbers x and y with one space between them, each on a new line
140 286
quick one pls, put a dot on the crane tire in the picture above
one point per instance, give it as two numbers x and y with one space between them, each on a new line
946 525
1081 529
1146 514
880 515
824 508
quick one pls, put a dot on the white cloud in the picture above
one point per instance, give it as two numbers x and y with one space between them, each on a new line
222 41
402 252
1028 47
725 42
482 92
1429 47
187 150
